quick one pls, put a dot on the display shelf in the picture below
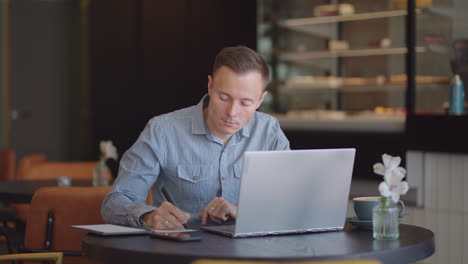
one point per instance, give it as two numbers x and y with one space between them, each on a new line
387 87
343 122
296 22
298 56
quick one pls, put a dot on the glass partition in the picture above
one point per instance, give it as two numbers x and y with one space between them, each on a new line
336 62
442 30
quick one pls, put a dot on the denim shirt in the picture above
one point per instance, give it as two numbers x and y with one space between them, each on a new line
178 151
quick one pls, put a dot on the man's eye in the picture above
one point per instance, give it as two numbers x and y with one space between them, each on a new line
246 103
223 97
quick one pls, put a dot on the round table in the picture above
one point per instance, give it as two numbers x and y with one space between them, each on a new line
415 243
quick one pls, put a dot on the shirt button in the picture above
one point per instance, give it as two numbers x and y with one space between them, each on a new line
195 178
223 178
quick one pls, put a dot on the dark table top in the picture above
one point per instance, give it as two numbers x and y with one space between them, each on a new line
22 191
415 243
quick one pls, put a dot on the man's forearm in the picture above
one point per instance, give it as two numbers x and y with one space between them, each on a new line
120 210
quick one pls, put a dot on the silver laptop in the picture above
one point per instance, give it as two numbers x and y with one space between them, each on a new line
293 191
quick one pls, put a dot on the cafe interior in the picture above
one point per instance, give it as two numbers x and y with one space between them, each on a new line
383 77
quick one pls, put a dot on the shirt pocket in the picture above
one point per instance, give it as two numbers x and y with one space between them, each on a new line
195 173
237 169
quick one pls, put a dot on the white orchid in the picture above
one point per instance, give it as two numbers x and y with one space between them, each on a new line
392 186
390 167
393 189
108 150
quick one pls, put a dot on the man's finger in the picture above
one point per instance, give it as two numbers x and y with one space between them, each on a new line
173 222
182 217
217 211
159 222
214 218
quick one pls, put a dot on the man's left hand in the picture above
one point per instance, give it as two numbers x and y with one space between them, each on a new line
218 210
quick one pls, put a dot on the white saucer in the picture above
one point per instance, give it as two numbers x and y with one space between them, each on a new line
364 224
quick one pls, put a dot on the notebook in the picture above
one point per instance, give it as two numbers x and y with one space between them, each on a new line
293 191
111 230
115 230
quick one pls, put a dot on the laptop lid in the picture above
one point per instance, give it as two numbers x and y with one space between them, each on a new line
294 191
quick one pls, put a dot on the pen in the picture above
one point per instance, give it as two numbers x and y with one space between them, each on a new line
169 199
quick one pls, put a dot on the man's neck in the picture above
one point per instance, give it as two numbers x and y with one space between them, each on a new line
210 125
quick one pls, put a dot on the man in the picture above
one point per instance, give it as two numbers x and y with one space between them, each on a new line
195 154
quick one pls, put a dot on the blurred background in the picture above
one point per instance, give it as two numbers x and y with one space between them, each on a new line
75 72
374 75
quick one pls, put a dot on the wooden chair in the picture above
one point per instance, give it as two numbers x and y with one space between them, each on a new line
52 170
212 261
7 164
53 210
8 216
36 166
52 257
27 162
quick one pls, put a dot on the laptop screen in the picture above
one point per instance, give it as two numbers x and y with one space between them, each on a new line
288 191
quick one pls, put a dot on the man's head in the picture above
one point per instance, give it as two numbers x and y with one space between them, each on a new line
236 89
241 60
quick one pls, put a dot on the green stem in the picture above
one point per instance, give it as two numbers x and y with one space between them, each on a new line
384 201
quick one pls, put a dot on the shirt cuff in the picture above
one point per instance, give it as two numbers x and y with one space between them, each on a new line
139 211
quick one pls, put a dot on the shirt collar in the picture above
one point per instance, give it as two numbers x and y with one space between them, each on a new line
198 122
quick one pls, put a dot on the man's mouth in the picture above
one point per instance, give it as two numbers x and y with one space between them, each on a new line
230 123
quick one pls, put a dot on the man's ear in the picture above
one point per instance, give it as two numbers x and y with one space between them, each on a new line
210 83
262 97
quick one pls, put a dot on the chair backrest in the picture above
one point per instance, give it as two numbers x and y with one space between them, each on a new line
52 170
28 161
7 164
54 209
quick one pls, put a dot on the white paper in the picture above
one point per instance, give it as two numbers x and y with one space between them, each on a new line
108 229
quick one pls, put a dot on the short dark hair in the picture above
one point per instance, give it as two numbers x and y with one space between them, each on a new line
241 59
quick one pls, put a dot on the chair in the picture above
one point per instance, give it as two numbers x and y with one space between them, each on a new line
53 210
212 261
7 164
36 166
55 257
52 170
8 215
28 161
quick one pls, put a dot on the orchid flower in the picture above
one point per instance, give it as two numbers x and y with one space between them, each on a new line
389 166
393 189
108 150
392 186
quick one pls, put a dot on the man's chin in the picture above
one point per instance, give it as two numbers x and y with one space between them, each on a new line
228 130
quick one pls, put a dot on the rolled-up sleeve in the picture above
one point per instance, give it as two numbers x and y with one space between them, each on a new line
139 169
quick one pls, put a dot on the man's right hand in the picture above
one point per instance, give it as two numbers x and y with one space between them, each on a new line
166 217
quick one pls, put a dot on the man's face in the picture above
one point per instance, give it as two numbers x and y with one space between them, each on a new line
234 98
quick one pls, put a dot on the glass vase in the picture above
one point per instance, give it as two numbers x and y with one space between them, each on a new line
101 174
385 220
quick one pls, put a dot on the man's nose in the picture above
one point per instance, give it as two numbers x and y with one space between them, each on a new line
232 109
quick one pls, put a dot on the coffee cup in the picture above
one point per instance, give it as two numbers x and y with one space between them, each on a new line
363 207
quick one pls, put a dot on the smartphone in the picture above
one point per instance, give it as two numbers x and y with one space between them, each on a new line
178 236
